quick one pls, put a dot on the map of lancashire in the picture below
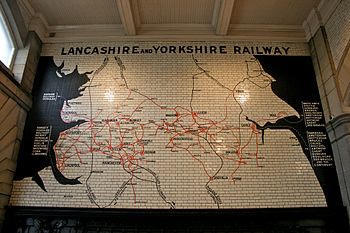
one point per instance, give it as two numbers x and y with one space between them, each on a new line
193 140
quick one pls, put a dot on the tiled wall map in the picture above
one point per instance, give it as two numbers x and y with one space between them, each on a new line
174 125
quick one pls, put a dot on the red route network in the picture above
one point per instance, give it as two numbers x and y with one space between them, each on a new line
124 137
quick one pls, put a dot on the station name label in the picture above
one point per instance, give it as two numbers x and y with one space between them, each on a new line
176 49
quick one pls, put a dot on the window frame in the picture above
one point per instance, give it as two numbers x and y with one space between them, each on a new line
7 27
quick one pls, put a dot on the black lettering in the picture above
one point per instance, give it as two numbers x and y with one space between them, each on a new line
156 49
126 49
172 49
111 50
87 50
103 50
212 49
78 50
71 51
267 50
245 50
135 49
182 49
222 49
95 51
62 52
189 49
236 49
198 49
277 50
163 49
285 50
146 50
258 51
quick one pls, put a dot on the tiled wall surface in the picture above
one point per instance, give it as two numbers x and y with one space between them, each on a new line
338 31
325 76
329 49
169 157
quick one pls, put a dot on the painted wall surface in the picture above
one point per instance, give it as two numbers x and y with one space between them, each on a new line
175 125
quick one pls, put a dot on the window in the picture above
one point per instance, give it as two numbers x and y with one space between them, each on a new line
7 46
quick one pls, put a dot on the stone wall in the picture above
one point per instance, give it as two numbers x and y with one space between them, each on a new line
15 102
329 48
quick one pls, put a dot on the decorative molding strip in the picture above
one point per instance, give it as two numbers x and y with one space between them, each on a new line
326 9
338 121
266 32
333 126
253 37
319 16
40 26
126 16
83 31
266 27
224 17
170 32
33 20
8 73
26 10
13 89
175 29
216 11
311 24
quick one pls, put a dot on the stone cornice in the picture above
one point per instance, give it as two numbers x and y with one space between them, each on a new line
13 89
339 127
338 121
319 16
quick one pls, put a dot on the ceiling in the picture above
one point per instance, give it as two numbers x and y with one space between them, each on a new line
154 19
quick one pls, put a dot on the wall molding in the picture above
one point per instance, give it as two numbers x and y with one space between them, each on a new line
334 126
312 24
326 9
13 89
171 32
319 16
